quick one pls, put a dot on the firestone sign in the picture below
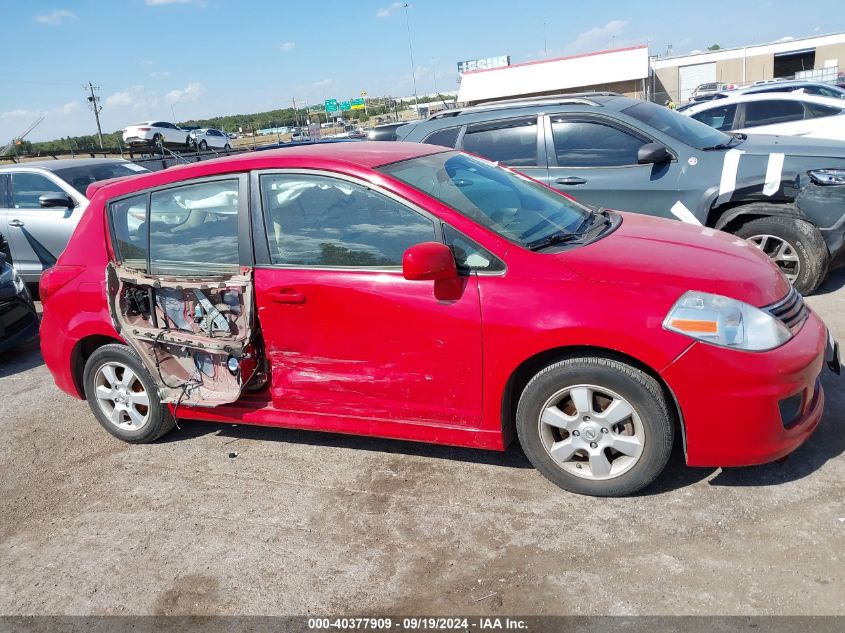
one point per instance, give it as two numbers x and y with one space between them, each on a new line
483 64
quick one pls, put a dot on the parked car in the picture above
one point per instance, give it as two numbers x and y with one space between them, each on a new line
157 135
203 138
614 151
707 91
386 132
412 292
786 113
816 88
41 202
18 317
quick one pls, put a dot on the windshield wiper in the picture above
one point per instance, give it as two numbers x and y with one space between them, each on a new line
558 237
736 137
599 218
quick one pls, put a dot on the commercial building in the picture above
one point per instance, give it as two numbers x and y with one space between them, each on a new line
633 72
623 70
806 58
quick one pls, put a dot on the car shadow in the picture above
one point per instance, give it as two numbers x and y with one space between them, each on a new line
21 358
513 457
834 281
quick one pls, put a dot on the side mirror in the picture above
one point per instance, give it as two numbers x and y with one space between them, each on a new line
429 261
56 200
653 153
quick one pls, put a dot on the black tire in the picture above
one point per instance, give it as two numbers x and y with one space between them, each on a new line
804 238
203 146
640 390
158 144
159 420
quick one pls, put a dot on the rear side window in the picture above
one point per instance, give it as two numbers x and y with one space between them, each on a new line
721 118
511 143
593 144
187 230
816 110
771 112
445 138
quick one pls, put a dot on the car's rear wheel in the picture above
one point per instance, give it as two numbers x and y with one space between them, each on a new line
158 143
595 426
794 245
123 396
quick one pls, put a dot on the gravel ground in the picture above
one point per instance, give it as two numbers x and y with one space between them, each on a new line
221 519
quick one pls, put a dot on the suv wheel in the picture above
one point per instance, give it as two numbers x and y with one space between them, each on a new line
203 146
796 246
595 426
123 396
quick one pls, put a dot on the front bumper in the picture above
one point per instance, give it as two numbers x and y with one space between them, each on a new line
733 403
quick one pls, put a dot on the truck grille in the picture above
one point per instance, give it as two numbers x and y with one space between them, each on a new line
790 310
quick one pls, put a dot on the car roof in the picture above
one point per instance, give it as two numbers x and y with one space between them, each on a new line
772 86
362 154
767 96
63 163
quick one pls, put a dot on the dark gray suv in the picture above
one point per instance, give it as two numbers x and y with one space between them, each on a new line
785 194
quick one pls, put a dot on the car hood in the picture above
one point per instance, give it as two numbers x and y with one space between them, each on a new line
672 257
792 146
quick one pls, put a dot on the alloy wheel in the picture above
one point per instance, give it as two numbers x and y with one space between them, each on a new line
591 432
121 396
781 253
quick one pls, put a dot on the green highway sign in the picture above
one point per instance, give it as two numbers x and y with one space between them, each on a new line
358 104
345 105
331 105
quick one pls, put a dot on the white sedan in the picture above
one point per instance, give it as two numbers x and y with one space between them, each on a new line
203 138
785 113
158 134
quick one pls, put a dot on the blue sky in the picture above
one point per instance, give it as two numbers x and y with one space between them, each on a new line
208 57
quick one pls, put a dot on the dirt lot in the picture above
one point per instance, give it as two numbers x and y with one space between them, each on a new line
224 520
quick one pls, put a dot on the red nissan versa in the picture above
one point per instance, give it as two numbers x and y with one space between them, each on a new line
410 292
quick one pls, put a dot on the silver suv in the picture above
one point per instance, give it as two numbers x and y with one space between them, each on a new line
41 203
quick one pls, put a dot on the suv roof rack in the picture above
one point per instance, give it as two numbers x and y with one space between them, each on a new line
581 98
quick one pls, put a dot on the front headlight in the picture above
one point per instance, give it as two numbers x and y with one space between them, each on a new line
825 177
725 322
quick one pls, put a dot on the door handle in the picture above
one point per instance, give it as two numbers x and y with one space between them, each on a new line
570 180
287 295
15 223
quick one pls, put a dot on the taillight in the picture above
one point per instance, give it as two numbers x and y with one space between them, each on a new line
144 129
53 279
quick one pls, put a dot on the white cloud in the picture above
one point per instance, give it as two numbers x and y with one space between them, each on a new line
192 92
20 114
71 107
55 18
323 83
157 74
393 8
155 3
596 38
786 38
287 46
132 97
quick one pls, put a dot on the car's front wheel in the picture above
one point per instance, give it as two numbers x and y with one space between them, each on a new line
794 245
595 426
203 146
123 396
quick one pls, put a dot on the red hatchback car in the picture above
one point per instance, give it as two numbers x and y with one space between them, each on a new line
410 292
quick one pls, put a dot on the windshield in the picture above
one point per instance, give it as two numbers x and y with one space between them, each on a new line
678 126
80 177
515 207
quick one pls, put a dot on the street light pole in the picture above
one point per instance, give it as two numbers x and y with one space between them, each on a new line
411 51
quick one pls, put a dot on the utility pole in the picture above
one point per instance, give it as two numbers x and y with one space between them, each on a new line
411 51
93 101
